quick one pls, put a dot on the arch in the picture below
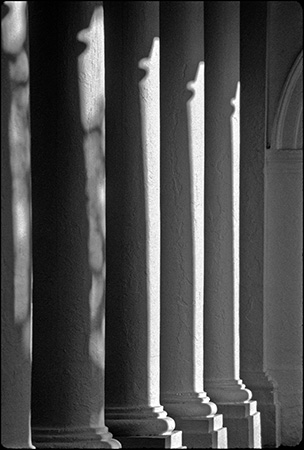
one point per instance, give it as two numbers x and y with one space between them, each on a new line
288 128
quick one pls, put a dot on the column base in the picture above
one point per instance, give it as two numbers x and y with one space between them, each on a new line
139 421
73 438
196 416
205 432
173 440
243 423
264 390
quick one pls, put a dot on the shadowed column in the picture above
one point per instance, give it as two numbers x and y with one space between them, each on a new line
222 373
182 229
252 210
68 226
133 410
284 257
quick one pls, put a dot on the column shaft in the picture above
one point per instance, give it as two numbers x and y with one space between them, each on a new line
253 27
133 410
68 226
182 229
16 267
222 21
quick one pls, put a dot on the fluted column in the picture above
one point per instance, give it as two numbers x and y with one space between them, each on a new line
221 318
182 229
133 409
16 267
68 182
253 30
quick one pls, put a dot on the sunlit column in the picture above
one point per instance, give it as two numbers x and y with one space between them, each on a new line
253 29
67 48
133 409
16 270
221 318
182 225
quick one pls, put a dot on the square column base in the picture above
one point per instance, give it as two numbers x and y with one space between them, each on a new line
270 425
243 423
173 440
207 432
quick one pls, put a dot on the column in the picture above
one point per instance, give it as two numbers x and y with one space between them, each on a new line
68 181
16 270
253 30
182 225
221 318
133 409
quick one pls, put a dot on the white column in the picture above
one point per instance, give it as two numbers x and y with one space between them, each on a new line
133 409
222 347
16 266
253 29
68 226
182 229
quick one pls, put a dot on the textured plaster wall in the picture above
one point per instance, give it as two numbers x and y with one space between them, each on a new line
283 225
285 41
283 290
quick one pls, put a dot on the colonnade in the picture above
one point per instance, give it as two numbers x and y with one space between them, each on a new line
135 228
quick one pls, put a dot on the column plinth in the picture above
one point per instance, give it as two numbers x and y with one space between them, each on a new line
144 427
240 413
74 438
197 417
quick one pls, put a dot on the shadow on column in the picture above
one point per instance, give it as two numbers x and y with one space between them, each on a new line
222 77
222 303
126 287
253 60
133 410
177 262
68 232
182 227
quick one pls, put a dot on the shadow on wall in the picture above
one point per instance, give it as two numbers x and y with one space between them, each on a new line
16 274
